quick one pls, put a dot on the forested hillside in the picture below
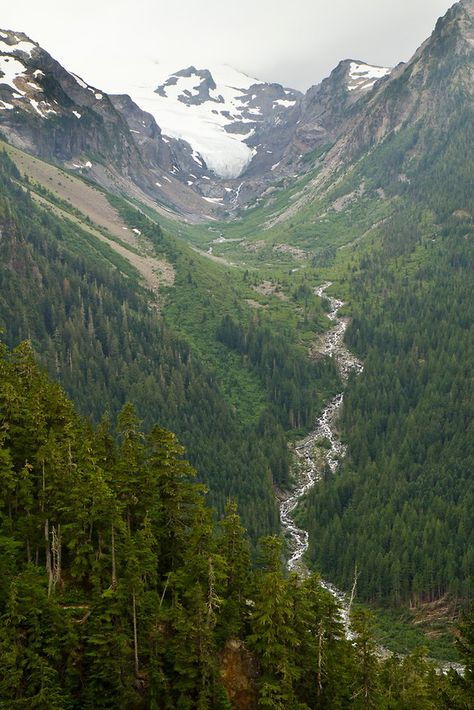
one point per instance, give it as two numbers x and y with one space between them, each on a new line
314 344
89 321
117 590
96 328
401 507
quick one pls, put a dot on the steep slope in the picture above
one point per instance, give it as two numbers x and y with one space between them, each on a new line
216 110
54 114
94 326
400 511
419 97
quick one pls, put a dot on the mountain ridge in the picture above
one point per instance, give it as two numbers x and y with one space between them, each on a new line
256 125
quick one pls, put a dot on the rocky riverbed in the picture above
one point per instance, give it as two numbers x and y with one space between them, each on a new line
313 459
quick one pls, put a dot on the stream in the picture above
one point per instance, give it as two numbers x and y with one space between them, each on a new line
311 459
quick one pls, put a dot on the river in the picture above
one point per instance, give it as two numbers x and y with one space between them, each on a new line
313 459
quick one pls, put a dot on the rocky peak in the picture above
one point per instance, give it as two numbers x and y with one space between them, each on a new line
362 77
221 112
191 86
16 43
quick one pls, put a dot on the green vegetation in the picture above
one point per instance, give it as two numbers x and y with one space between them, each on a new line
401 506
91 326
229 363
402 631
118 590
89 320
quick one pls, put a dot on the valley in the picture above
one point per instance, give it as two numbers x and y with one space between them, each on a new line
318 454
280 281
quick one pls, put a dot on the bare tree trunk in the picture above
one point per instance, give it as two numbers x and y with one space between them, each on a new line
164 590
135 634
114 568
56 554
49 570
354 587
320 657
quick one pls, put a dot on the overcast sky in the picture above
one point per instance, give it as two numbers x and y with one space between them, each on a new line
292 42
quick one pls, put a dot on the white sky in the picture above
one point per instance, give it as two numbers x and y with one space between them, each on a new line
292 42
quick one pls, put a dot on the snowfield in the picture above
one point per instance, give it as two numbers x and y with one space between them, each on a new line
203 124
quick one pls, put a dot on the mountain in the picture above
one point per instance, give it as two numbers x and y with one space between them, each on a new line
197 142
429 88
224 114
245 133
392 126
54 114
215 329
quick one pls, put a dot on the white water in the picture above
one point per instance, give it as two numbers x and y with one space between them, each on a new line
311 464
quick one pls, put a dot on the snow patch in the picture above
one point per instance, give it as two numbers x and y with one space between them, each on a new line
44 111
86 165
20 46
284 102
196 157
364 76
12 69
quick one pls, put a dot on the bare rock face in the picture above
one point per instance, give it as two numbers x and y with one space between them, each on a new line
254 137
238 671
427 91
55 115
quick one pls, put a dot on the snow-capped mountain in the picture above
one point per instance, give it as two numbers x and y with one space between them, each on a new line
196 140
54 114
217 111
